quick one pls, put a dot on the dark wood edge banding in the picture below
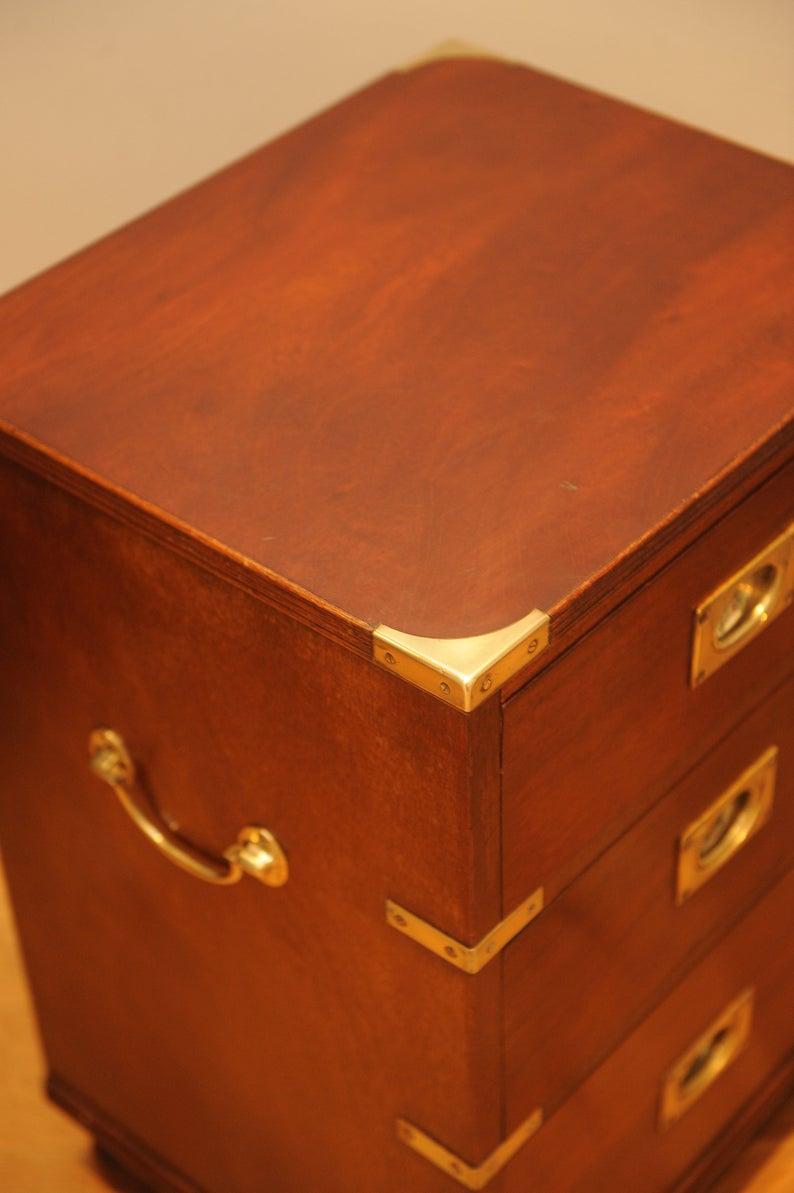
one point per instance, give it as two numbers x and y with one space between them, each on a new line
128 1152
570 618
191 544
739 1131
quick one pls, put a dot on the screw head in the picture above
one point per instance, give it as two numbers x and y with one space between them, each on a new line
532 646
487 683
389 657
444 686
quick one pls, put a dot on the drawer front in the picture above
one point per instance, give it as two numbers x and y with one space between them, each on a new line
608 727
678 1080
622 932
252 1037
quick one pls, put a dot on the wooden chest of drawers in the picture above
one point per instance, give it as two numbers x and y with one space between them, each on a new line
398 527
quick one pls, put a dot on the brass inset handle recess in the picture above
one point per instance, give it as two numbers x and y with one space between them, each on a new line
719 832
703 1062
255 852
734 613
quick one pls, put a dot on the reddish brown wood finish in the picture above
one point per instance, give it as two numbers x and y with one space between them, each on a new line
612 724
252 1037
600 957
471 342
467 343
605 1138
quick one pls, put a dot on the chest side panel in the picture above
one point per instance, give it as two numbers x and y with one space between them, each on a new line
239 1031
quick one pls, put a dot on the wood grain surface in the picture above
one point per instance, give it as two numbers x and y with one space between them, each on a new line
44 1151
441 355
617 932
209 1022
609 726
605 1138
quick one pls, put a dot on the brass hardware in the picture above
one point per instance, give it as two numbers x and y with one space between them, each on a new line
470 958
468 1175
255 852
735 612
462 671
452 48
703 1061
717 834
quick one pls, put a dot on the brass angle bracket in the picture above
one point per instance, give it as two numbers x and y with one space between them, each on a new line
468 1175
462 671
453 47
469 958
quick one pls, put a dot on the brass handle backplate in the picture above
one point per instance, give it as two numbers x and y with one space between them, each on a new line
703 1062
255 852
735 613
719 832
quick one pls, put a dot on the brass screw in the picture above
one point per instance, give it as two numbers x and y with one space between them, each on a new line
401 920
444 687
532 646
450 951
389 657
486 683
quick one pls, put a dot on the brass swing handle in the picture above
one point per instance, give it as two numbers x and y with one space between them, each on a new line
256 851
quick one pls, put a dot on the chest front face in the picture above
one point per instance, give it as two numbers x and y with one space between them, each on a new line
396 642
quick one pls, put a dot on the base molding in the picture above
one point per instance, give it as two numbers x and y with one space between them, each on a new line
114 1141
735 1136
158 1176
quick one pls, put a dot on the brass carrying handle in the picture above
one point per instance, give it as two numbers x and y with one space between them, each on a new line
256 851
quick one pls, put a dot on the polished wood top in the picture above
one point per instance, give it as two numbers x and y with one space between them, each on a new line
459 347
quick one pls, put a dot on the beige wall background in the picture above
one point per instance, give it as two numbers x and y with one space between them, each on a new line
107 106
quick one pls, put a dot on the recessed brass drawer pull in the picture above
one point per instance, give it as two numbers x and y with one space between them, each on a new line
717 834
255 852
735 612
702 1063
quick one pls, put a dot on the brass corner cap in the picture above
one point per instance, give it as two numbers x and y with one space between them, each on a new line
462 672
451 48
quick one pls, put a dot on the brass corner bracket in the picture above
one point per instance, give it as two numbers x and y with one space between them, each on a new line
462 671
469 958
453 47
468 1175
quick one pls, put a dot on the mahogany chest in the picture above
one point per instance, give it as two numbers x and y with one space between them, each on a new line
395 646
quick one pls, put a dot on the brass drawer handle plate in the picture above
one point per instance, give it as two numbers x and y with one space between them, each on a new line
704 1061
469 958
720 832
735 612
468 1175
255 852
